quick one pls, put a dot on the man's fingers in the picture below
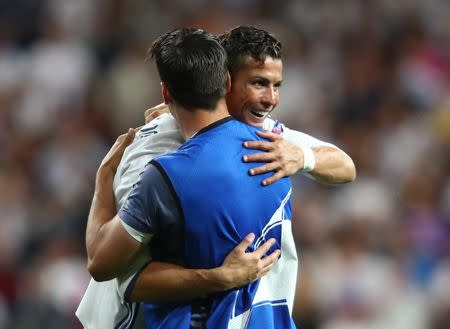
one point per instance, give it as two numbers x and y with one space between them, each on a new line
259 157
258 145
248 240
160 106
261 251
267 134
272 179
268 263
264 271
153 116
155 112
112 158
126 139
264 169
129 137
271 259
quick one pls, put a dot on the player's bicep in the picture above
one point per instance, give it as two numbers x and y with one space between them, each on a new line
116 249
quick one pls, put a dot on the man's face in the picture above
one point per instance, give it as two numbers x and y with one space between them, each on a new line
255 90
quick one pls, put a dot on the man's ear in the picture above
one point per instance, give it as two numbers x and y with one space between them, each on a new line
228 83
166 94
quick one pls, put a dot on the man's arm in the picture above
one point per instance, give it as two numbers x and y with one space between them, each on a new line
285 155
286 158
105 256
163 282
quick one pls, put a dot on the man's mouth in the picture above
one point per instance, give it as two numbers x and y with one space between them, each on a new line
258 114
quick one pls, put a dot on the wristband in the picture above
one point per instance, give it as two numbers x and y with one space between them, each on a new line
309 160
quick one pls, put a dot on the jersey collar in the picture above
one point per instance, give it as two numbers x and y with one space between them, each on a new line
213 125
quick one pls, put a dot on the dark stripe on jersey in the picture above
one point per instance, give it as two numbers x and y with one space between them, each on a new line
200 309
135 313
121 322
171 188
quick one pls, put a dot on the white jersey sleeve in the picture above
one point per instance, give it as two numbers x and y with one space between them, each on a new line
292 136
103 305
296 137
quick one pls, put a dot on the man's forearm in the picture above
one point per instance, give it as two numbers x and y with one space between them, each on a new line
110 247
332 166
163 282
103 207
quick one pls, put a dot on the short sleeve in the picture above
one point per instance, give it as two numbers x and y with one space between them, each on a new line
303 140
149 205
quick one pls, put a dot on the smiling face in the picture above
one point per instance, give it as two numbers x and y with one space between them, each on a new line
255 90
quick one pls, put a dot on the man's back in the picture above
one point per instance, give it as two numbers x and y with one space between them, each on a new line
219 205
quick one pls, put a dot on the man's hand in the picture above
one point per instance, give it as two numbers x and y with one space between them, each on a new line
112 159
240 267
281 156
155 112
164 282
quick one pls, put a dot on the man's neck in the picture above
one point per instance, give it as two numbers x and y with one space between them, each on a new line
190 122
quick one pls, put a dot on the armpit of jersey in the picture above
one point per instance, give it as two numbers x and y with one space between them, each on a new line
141 237
292 136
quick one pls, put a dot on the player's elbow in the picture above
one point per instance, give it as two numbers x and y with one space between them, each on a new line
351 171
345 174
98 272
348 174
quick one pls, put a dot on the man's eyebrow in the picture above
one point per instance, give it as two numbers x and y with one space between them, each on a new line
260 77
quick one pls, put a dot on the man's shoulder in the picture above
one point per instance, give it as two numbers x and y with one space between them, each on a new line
159 136
165 123
274 126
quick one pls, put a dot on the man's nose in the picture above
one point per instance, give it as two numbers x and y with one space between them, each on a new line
270 97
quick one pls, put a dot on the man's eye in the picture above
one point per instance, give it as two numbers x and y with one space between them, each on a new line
258 83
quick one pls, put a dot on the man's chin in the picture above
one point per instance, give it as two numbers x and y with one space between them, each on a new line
254 121
256 124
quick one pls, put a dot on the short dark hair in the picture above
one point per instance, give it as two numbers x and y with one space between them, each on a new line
193 65
243 41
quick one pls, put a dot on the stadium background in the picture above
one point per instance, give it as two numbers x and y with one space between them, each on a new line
370 76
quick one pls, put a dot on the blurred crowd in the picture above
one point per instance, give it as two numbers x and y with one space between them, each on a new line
372 77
